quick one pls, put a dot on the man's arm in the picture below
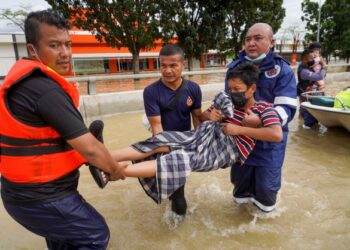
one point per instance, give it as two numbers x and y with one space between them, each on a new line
307 74
285 93
196 117
271 133
152 109
156 124
97 154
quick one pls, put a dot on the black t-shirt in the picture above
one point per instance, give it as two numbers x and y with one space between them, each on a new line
39 101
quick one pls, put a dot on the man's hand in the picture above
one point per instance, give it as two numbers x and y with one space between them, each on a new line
230 129
215 115
118 172
251 119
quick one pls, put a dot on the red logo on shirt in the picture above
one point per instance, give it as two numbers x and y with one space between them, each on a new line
189 102
273 72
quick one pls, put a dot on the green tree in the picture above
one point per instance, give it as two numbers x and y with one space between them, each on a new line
16 17
345 46
241 14
334 25
197 25
310 16
120 23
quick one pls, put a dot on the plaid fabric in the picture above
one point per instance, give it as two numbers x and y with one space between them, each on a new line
202 150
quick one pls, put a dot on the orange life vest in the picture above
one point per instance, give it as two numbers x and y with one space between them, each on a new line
33 154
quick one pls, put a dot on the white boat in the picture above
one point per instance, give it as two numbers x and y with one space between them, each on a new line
328 116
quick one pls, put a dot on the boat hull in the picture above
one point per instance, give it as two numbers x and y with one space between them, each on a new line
328 116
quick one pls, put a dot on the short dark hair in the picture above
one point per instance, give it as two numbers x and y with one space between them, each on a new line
34 19
171 49
305 53
315 46
247 72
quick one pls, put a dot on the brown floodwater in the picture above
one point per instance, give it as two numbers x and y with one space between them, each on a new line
313 211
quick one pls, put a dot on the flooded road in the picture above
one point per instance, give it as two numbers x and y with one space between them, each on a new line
313 210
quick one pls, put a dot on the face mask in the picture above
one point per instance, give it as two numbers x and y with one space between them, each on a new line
256 60
259 58
238 99
310 63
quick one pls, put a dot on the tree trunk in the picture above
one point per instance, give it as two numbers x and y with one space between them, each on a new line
190 63
136 63
281 48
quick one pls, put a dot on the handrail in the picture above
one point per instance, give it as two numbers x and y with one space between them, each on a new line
141 76
91 80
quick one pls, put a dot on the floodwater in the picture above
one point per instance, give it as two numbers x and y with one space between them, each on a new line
313 210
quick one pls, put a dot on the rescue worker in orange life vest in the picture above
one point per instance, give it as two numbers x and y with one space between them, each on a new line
44 141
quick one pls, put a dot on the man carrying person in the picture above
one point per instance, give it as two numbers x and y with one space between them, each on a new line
259 179
170 103
44 141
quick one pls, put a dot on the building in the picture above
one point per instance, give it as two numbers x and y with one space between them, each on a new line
12 47
93 57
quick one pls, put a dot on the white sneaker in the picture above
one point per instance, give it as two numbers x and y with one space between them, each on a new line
240 201
306 127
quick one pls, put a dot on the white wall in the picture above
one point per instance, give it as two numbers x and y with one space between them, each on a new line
7 51
7 58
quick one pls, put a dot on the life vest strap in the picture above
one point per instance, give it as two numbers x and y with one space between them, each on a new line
13 141
32 151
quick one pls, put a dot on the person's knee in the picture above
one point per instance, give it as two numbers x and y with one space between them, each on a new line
102 236
97 232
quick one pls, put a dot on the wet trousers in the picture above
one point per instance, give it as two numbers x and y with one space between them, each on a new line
309 120
67 223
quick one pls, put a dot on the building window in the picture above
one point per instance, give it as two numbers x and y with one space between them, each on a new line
213 60
156 63
106 65
144 64
124 65
89 66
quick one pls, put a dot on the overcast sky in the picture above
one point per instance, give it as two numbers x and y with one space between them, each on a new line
293 13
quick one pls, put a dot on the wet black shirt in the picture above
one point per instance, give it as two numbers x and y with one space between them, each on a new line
39 101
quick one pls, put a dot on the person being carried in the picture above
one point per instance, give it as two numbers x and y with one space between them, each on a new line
216 143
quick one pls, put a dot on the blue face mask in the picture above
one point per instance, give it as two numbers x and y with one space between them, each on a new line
256 60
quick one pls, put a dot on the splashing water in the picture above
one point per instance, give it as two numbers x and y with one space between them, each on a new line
172 219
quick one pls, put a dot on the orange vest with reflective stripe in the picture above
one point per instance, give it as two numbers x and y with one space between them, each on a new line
33 154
